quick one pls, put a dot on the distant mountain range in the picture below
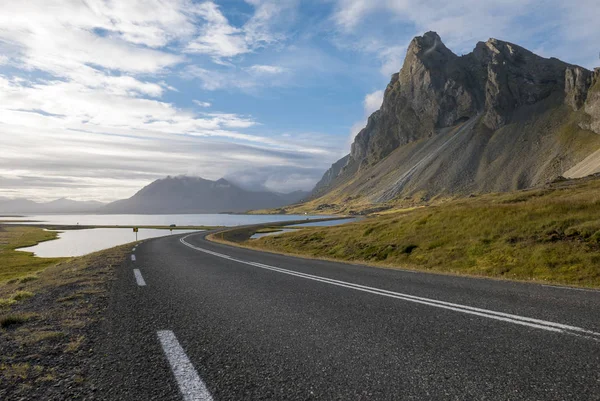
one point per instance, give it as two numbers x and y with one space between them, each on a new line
196 195
11 206
180 194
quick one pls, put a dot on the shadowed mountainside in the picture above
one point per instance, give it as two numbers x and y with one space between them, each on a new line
196 195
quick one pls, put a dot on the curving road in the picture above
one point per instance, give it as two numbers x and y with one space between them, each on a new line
194 320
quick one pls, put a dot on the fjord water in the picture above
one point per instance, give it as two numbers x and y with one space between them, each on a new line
327 223
160 219
82 242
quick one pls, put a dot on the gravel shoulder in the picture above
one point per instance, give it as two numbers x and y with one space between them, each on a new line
50 327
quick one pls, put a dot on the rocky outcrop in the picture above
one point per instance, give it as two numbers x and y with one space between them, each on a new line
436 88
430 91
592 103
331 174
577 83
521 101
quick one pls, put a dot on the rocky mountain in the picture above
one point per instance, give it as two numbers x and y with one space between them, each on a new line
62 205
184 194
499 118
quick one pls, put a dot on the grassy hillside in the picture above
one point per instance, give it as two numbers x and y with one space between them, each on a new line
549 234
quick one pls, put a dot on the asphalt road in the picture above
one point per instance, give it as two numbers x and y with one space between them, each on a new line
194 320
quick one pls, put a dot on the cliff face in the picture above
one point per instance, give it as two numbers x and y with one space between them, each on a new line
592 103
542 103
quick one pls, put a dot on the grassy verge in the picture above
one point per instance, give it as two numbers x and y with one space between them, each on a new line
49 323
15 264
551 234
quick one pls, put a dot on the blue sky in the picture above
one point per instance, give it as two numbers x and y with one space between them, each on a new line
98 98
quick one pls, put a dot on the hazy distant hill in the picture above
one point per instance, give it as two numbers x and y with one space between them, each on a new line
196 195
56 206
497 119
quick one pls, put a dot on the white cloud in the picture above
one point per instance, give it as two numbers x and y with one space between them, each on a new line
221 40
79 136
202 104
244 79
266 69
391 58
58 37
373 101
217 37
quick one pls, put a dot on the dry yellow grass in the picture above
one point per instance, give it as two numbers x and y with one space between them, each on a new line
550 234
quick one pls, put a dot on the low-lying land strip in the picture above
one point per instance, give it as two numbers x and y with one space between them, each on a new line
238 235
16 263
49 312
549 234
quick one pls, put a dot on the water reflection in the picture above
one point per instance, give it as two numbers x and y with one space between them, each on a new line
159 219
327 223
260 235
313 224
82 242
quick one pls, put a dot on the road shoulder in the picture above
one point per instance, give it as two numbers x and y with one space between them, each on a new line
50 327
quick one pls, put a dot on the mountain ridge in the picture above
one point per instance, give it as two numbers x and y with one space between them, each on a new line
530 119
61 205
185 194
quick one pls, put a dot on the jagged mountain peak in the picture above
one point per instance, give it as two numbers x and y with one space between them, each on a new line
530 119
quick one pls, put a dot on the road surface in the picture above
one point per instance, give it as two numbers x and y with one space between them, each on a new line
194 320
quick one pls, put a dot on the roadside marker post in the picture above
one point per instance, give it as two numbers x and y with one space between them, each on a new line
135 230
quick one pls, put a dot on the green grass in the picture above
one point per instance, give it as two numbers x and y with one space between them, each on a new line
550 234
6 302
14 319
21 295
17 264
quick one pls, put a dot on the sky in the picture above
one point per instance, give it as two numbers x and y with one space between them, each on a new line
99 98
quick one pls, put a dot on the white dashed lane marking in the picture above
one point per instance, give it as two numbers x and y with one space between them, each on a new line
191 386
138 277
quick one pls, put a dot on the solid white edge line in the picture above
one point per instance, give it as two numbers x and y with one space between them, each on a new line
506 317
191 386
561 287
133 258
138 277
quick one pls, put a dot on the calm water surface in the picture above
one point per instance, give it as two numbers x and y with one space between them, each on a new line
327 223
260 235
161 219
82 242
314 224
